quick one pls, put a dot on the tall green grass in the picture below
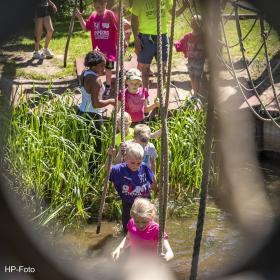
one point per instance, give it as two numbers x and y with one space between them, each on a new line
48 149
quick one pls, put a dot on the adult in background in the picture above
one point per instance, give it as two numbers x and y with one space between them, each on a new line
43 20
144 28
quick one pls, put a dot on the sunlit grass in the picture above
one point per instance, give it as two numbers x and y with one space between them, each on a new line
48 149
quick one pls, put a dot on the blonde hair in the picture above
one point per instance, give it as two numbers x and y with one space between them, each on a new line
134 150
126 118
196 22
142 131
142 207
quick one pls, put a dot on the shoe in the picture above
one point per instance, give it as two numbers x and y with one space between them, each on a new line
107 92
38 55
47 53
193 100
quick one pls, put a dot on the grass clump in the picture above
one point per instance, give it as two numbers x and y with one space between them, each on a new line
48 149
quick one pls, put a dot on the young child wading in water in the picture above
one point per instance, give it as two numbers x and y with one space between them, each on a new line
143 231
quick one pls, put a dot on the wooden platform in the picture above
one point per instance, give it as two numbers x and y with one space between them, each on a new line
177 95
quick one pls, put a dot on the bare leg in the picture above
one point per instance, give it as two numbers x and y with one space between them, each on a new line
108 73
145 69
195 82
49 28
38 32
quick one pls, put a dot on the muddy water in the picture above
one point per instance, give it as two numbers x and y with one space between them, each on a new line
219 248
219 237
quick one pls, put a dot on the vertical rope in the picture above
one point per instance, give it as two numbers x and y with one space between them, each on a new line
110 157
209 18
165 155
160 95
122 81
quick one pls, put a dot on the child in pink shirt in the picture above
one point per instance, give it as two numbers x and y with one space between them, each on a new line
143 231
103 26
193 48
136 97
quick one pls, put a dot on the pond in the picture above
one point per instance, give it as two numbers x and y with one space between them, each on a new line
220 243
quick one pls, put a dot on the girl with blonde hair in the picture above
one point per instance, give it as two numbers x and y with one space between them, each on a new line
143 232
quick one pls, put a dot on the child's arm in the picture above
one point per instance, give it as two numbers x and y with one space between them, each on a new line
156 134
123 245
168 251
135 31
151 107
153 165
79 16
92 86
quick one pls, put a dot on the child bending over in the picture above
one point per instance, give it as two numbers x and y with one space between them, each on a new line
131 179
103 26
143 231
193 48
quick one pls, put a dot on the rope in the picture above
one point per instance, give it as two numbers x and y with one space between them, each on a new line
70 31
244 38
207 150
204 188
110 157
264 36
164 137
122 81
162 166
240 87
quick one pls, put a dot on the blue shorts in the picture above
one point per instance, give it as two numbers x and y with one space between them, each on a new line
195 67
149 48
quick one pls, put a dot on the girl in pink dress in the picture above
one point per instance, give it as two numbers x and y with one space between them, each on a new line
104 31
143 231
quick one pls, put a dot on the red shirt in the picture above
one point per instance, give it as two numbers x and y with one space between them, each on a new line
191 45
135 103
104 33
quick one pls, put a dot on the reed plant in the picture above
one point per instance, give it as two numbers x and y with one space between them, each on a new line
48 149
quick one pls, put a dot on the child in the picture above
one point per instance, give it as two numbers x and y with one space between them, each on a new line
142 135
43 20
136 97
193 48
103 26
126 27
143 232
131 179
91 86
128 131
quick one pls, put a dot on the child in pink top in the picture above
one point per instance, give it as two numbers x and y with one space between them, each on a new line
193 48
136 97
103 26
143 231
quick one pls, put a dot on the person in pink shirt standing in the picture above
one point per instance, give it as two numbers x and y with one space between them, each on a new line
103 27
136 97
193 48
